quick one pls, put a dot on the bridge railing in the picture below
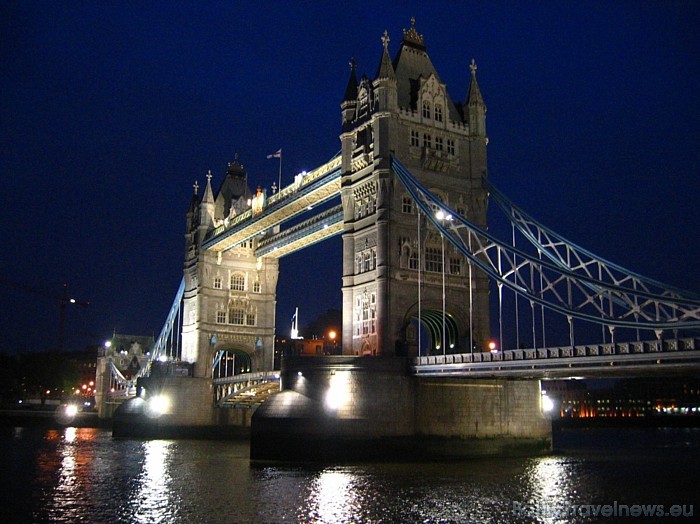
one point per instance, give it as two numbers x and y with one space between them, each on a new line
564 352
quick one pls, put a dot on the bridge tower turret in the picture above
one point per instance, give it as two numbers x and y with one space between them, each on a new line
387 255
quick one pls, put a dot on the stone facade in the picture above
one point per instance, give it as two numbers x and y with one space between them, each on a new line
406 111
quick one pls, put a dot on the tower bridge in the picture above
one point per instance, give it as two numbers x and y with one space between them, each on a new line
418 266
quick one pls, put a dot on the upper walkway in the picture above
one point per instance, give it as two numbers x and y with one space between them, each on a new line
308 190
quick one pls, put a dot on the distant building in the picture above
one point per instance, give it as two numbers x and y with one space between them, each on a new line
631 397
128 354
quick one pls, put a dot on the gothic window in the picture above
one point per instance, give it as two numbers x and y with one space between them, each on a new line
455 266
438 113
427 141
236 316
250 319
415 138
413 260
217 282
438 143
426 109
221 317
373 254
237 282
366 261
433 259
407 204
450 146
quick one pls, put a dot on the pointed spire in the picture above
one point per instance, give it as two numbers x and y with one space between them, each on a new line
208 197
474 97
386 69
351 89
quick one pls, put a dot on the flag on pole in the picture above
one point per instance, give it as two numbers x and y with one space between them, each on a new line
276 154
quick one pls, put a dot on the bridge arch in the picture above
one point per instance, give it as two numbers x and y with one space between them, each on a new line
430 332
229 361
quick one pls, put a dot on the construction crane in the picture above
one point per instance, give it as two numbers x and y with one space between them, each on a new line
63 300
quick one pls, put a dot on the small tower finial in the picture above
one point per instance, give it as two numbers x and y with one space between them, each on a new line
352 63
209 176
235 157
472 66
196 187
385 39
412 36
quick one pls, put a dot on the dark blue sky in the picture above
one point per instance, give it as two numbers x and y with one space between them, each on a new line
111 110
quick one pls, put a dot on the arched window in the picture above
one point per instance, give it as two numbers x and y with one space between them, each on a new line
438 113
426 109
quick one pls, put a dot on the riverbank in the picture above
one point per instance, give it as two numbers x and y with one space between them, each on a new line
50 418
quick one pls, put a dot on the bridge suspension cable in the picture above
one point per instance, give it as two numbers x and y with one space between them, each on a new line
166 346
567 285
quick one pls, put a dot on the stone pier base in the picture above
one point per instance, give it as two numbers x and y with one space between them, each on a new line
356 408
188 411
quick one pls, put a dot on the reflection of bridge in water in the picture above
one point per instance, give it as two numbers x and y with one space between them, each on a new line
418 264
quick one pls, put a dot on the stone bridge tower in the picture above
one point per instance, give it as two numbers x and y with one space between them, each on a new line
230 296
406 111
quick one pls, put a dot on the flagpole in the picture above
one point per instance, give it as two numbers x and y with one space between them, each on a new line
280 175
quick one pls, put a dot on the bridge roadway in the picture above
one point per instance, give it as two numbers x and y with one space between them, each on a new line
667 357
308 190
674 356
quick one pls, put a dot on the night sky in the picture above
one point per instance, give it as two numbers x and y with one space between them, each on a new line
111 110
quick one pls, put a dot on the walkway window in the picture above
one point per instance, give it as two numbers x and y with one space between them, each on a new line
438 143
433 259
237 282
415 138
450 146
427 140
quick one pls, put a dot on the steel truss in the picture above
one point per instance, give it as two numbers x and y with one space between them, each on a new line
563 277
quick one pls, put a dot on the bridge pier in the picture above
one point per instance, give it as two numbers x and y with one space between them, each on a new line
355 408
177 407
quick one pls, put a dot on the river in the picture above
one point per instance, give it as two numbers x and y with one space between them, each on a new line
72 475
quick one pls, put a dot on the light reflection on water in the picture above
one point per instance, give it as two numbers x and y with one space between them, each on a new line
83 475
152 499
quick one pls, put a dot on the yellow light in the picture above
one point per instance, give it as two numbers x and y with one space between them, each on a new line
91 383
492 345
332 334
71 410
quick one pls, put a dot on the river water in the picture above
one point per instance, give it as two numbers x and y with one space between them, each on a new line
74 475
